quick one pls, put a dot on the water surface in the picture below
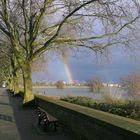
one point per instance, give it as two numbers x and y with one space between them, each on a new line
80 92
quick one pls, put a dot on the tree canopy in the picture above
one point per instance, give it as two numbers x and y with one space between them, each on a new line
36 26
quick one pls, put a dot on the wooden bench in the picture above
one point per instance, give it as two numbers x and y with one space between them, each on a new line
46 118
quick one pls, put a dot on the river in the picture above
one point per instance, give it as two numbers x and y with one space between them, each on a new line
118 92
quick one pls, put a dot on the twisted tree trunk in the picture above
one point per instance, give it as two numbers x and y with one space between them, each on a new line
27 79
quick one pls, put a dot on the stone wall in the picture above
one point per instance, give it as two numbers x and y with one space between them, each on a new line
90 124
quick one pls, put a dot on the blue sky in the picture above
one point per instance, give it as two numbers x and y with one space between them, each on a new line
85 65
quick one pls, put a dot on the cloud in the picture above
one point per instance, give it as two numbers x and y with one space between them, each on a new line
83 67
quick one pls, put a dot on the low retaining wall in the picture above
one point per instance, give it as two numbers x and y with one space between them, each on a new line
90 124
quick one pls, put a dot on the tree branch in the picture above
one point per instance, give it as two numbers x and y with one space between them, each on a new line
61 40
47 43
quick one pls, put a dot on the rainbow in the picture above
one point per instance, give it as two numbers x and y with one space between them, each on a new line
68 72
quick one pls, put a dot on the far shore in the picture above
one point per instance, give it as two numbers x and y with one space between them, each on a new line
64 87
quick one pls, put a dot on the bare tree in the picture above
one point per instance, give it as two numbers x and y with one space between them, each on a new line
37 26
131 83
95 84
4 63
9 66
40 64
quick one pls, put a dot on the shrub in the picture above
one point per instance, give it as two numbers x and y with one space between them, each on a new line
130 109
95 84
131 83
60 84
113 98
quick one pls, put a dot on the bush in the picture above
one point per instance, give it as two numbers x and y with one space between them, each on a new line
95 84
113 98
130 109
60 84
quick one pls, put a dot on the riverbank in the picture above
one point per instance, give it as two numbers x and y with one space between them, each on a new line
90 124
54 87
124 108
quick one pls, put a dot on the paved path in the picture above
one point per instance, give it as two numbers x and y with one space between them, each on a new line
26 120
8 128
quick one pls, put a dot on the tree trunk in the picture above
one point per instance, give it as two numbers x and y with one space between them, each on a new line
11 84
27 80
16 83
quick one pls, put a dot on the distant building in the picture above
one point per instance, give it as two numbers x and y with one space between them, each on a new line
111 85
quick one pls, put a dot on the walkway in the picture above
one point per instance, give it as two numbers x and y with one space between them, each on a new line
26 120
8 128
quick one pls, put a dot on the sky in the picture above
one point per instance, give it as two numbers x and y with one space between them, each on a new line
84 66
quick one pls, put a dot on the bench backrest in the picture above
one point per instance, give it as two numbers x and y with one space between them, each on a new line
42 113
